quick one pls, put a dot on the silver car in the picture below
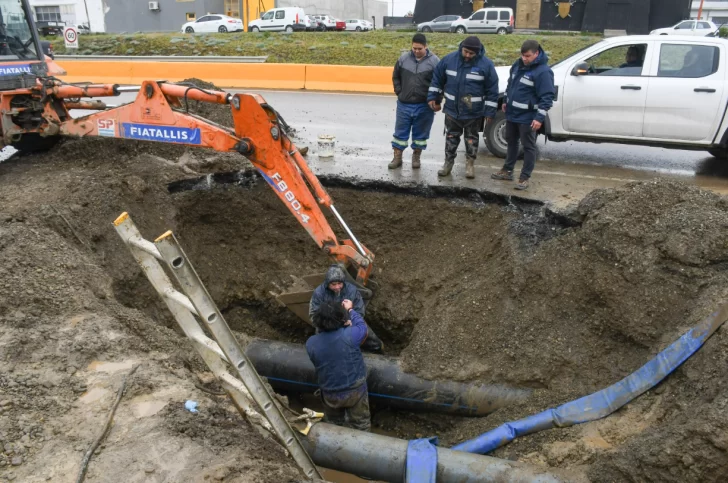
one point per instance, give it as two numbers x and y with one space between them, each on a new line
440 24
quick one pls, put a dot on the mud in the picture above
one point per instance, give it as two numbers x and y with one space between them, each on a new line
470 287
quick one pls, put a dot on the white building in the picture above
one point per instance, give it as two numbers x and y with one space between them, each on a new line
72 12
713 10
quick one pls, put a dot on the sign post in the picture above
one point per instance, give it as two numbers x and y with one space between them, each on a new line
70 36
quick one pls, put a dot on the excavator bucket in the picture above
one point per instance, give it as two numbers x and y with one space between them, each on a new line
298 300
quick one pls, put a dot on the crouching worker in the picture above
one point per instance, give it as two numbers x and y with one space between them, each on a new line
336 289
340 370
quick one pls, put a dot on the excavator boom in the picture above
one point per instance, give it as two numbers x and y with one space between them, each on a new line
158 115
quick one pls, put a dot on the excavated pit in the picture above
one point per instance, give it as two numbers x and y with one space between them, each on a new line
472 287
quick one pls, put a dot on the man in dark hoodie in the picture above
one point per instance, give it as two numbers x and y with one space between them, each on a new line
336 289
529 96
411 78
469 83
340 370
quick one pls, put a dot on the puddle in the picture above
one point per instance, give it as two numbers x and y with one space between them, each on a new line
111 367
145 408
95 394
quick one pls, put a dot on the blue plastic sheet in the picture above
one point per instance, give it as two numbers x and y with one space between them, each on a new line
605 402
421 461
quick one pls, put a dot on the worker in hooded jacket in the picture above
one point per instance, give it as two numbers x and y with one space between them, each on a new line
469 83
529 96
336 289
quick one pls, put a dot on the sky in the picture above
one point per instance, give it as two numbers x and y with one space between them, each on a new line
401 7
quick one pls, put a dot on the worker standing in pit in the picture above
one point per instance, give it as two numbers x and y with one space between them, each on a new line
340 370
336 289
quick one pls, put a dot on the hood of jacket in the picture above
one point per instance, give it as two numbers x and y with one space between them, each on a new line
334 274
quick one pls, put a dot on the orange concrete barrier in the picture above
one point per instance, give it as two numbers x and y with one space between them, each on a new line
240 75
349 78
352 78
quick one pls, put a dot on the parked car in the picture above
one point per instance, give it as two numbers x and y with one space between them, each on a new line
440 24
370 25
213 23
83 29
50 27
278 20
699 28
486 21
327 20
340 25
644 90
314 25
356 25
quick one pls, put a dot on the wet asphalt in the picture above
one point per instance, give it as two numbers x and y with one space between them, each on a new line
362 125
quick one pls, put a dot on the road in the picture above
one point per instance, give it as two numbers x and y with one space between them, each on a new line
363 126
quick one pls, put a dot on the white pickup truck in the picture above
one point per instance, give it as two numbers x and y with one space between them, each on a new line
669 91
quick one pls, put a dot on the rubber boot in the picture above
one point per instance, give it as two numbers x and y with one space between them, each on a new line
397 160
446 168
416 158
470 168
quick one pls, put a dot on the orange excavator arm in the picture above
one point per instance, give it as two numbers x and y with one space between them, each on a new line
157 115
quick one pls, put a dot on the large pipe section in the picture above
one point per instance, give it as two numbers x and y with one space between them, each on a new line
384 458
288 367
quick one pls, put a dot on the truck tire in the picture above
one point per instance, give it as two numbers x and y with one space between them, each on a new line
501 31
255 29
719 152
34 143
495 136
289 28
461 30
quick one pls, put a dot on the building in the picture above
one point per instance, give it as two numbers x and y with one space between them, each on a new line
73 12
168 15
634 16
713 10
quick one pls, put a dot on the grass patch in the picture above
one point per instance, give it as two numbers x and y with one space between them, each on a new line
380 48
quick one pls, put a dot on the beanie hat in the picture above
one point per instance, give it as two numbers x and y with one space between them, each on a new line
472 43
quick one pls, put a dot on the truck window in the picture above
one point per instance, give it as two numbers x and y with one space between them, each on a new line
505 15
688 60
492 15
268 15
624 60
478 16
280 14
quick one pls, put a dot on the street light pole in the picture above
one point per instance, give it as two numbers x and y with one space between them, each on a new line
392 8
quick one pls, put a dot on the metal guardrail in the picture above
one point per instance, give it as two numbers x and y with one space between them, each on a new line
168 58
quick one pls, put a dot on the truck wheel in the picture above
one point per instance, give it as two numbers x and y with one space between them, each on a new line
501 31
461 30
190 30
495 136
34 143
289 28
255 29
719 152
427 30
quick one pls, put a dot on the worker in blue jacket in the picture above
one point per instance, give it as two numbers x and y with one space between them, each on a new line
468 82
529 96
340 370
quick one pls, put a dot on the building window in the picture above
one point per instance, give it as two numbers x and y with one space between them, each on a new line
232 8
48 14
68 10
191 16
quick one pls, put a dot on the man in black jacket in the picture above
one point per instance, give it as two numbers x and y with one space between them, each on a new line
411 78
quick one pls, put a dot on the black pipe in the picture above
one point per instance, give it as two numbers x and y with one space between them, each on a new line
288 368
384 458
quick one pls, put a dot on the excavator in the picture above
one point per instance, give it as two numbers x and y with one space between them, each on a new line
35 107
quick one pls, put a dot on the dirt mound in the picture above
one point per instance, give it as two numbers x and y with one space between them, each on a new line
468 291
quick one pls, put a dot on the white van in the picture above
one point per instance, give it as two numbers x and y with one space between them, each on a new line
486 21
278 20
